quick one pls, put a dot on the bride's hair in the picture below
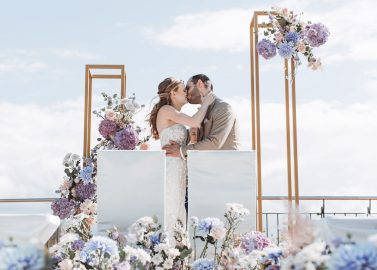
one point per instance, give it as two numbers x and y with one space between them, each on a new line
164 90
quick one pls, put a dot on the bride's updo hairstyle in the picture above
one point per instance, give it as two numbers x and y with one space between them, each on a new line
164 90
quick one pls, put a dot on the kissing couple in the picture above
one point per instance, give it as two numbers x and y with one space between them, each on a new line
213 127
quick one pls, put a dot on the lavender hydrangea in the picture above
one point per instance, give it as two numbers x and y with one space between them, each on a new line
107 128
203 264
354 257
266 48
100 251
292 37
24 257
62 207
86 174
126 139
254 241
316 34
285 50
78 244
84 192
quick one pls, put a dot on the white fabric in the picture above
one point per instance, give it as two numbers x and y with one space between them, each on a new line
359 228
28 228
176 180
130 185
219 177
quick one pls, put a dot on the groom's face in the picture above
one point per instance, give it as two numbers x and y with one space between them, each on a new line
193 93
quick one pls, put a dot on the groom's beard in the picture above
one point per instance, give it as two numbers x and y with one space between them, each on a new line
195 97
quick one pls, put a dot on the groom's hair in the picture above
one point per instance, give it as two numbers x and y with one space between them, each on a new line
203 78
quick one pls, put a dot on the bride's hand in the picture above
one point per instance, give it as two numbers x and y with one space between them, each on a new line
208 99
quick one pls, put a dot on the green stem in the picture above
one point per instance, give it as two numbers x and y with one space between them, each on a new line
194 244
204 249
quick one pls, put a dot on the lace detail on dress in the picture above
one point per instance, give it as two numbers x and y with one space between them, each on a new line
175 181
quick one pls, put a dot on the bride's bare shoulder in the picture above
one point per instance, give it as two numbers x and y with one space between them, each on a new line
167 109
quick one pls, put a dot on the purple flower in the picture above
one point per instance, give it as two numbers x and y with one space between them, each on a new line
316 34
292 37
62 207
107 128
285 50
126 139
84 192
266 48
254 240
78 244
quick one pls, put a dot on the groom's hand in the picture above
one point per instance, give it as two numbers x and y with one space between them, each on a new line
172 149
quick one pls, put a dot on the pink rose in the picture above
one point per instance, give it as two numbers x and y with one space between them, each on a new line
285 11
301 47
144 146
315 64
279 37
110 115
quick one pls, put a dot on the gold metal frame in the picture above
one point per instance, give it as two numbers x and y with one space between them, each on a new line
255 117
88 95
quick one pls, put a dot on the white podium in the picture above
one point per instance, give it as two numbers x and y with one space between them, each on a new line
130 185
219 177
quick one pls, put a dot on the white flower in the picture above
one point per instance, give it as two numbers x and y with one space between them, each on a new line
173 252
168 264
110 115
237 208
88 207
66 264
194 221
162 247
218 232
157 259
143 256
131 105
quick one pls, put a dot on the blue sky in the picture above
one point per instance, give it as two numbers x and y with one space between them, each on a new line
45 46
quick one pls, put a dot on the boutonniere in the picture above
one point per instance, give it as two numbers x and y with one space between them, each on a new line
205 120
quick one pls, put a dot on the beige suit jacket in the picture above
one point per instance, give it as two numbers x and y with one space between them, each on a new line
219 129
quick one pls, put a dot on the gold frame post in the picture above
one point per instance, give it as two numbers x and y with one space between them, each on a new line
89 93
255 117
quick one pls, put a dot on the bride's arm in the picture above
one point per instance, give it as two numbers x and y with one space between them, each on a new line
192 121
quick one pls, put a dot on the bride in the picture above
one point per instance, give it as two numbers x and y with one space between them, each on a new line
168 124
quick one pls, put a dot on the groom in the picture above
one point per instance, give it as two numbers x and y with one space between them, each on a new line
219 129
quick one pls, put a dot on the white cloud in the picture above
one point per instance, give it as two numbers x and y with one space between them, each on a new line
352 38
216 30
16 66
75 54
13 60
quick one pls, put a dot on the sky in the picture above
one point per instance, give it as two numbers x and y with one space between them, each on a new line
46 44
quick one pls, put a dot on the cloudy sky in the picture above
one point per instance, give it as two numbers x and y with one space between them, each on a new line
45 46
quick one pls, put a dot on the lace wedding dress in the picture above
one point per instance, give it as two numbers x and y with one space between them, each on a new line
175 182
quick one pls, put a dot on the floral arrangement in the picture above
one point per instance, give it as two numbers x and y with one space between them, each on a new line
289 37
77 204
117 128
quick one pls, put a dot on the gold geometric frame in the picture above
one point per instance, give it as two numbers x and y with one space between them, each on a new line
255 116
88 96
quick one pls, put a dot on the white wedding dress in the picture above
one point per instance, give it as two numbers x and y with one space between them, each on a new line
175 182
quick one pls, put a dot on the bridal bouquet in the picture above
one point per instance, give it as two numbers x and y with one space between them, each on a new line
289 37
117 128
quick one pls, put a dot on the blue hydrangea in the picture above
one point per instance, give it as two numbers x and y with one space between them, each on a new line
354 257
99 245
25 257
206 224
203 264
285 50
86 174
155 239
316 34
292 37
266 48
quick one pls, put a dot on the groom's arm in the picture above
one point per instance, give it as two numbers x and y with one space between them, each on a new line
223 121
